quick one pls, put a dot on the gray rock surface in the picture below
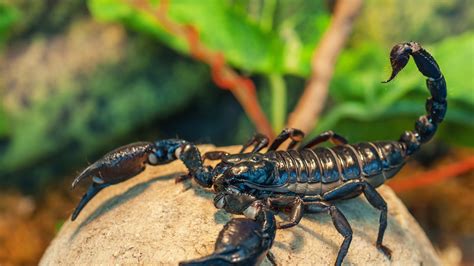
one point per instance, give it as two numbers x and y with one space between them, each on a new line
151 220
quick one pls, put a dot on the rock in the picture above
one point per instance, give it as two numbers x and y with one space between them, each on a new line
151 220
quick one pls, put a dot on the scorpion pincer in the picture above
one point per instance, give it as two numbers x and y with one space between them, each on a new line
301 179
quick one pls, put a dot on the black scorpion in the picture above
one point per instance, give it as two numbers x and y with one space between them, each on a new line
305 179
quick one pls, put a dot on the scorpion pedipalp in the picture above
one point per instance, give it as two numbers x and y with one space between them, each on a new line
127 161
114 167
242 241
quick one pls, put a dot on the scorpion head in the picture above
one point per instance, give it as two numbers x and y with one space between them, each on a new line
239 178
241 170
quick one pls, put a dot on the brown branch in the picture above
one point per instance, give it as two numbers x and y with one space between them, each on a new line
223 76
434 176
306 114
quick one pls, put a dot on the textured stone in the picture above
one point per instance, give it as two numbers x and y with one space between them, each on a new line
151 220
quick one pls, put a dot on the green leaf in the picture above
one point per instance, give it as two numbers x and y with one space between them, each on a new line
456 59
3 122
227 28
8 16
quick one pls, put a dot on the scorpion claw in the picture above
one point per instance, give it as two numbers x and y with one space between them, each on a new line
241 242
127 161
91 192
89 171
114 167
119 164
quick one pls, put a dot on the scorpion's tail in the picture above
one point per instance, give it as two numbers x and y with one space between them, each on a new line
436 105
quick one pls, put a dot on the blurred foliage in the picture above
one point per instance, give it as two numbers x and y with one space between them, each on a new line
272 38
88 85
91 111
237 30
38 18
72 88
284 44
388 21
8 16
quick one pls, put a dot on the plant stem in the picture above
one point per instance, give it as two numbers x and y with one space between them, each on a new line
223 75
353 110
307 111
435 176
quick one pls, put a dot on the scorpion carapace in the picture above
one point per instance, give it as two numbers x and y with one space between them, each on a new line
301 179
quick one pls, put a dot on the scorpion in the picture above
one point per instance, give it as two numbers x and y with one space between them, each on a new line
300 179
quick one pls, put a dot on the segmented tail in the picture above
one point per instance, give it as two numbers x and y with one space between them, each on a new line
436 105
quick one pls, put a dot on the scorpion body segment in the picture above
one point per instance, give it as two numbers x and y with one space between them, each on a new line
312 172
306 179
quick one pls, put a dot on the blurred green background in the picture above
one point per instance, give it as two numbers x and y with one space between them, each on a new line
78 78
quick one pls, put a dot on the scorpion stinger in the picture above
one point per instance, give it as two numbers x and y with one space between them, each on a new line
436 105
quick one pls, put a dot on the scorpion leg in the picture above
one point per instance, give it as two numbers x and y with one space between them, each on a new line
214 155
296 209
339 221
329 135
374 198
294 134
271 258
259 140
242 241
